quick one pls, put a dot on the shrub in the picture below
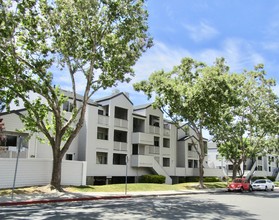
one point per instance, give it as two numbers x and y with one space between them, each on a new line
152 179
211 179
272 178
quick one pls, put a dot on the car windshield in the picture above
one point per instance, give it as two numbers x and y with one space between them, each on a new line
260 181
237 181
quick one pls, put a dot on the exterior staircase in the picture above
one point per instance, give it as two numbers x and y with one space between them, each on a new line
150 162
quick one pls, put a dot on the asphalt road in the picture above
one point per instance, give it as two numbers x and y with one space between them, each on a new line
221 205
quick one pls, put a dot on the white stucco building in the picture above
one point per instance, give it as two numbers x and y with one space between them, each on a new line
116 132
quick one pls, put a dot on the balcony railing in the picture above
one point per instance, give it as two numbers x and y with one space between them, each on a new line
193 154
120 123
142 138
120 146
154 150
103 120
154 130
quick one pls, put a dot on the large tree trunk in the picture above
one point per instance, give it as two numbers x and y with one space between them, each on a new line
235 170
56 174
201 172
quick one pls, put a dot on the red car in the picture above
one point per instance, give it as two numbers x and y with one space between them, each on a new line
239 184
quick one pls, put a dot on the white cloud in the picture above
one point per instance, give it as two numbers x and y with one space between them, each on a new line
201 32
238 53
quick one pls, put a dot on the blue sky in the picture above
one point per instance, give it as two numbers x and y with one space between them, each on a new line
244 32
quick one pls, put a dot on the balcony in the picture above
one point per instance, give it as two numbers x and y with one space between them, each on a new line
154 129
193 154
142 138
142 161
121 123
154 150
120 146
103 120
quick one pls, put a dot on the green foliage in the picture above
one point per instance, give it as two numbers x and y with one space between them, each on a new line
152 179
207 179
253 121
94 41
195 94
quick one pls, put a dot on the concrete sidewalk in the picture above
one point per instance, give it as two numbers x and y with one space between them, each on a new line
36 198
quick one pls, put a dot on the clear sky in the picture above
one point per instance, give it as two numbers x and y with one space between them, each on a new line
244 32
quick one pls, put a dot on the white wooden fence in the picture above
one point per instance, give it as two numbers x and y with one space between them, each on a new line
33 171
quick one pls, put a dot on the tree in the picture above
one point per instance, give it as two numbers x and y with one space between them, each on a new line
254 120
96 40
192 93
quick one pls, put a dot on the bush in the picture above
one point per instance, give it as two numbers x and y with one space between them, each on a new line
211 179
152 179
272 178
192 179
206 179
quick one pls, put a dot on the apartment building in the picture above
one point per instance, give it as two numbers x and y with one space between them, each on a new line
263 166
117 140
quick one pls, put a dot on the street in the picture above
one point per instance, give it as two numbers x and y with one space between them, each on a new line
220 205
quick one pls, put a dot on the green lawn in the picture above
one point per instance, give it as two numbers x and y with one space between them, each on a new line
132 187
142 187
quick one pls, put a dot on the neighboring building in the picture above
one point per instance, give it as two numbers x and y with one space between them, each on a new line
116 132
261 166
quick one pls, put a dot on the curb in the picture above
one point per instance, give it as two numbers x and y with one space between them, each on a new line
43 201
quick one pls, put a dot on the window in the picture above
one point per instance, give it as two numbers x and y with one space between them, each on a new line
260 168
154 121
190 163
101 158
9 141
166 142
102 133
69 156
190 147
156 141
120 136
100 112
121 113
230 167
135 149
166 162
196 164
138 125
259 158
68 106
119 159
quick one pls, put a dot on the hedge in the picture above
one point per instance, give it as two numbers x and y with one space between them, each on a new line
152 179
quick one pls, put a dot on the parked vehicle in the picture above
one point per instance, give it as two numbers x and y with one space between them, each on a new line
239 184
263 184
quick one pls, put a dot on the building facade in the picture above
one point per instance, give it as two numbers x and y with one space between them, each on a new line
118 140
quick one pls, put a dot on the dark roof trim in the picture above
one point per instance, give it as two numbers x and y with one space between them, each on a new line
113 96
188 137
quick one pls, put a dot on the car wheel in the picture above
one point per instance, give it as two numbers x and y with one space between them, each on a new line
272 188
250 188
241 189
266 188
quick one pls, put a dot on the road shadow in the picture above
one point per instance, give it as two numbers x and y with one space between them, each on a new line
167 207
